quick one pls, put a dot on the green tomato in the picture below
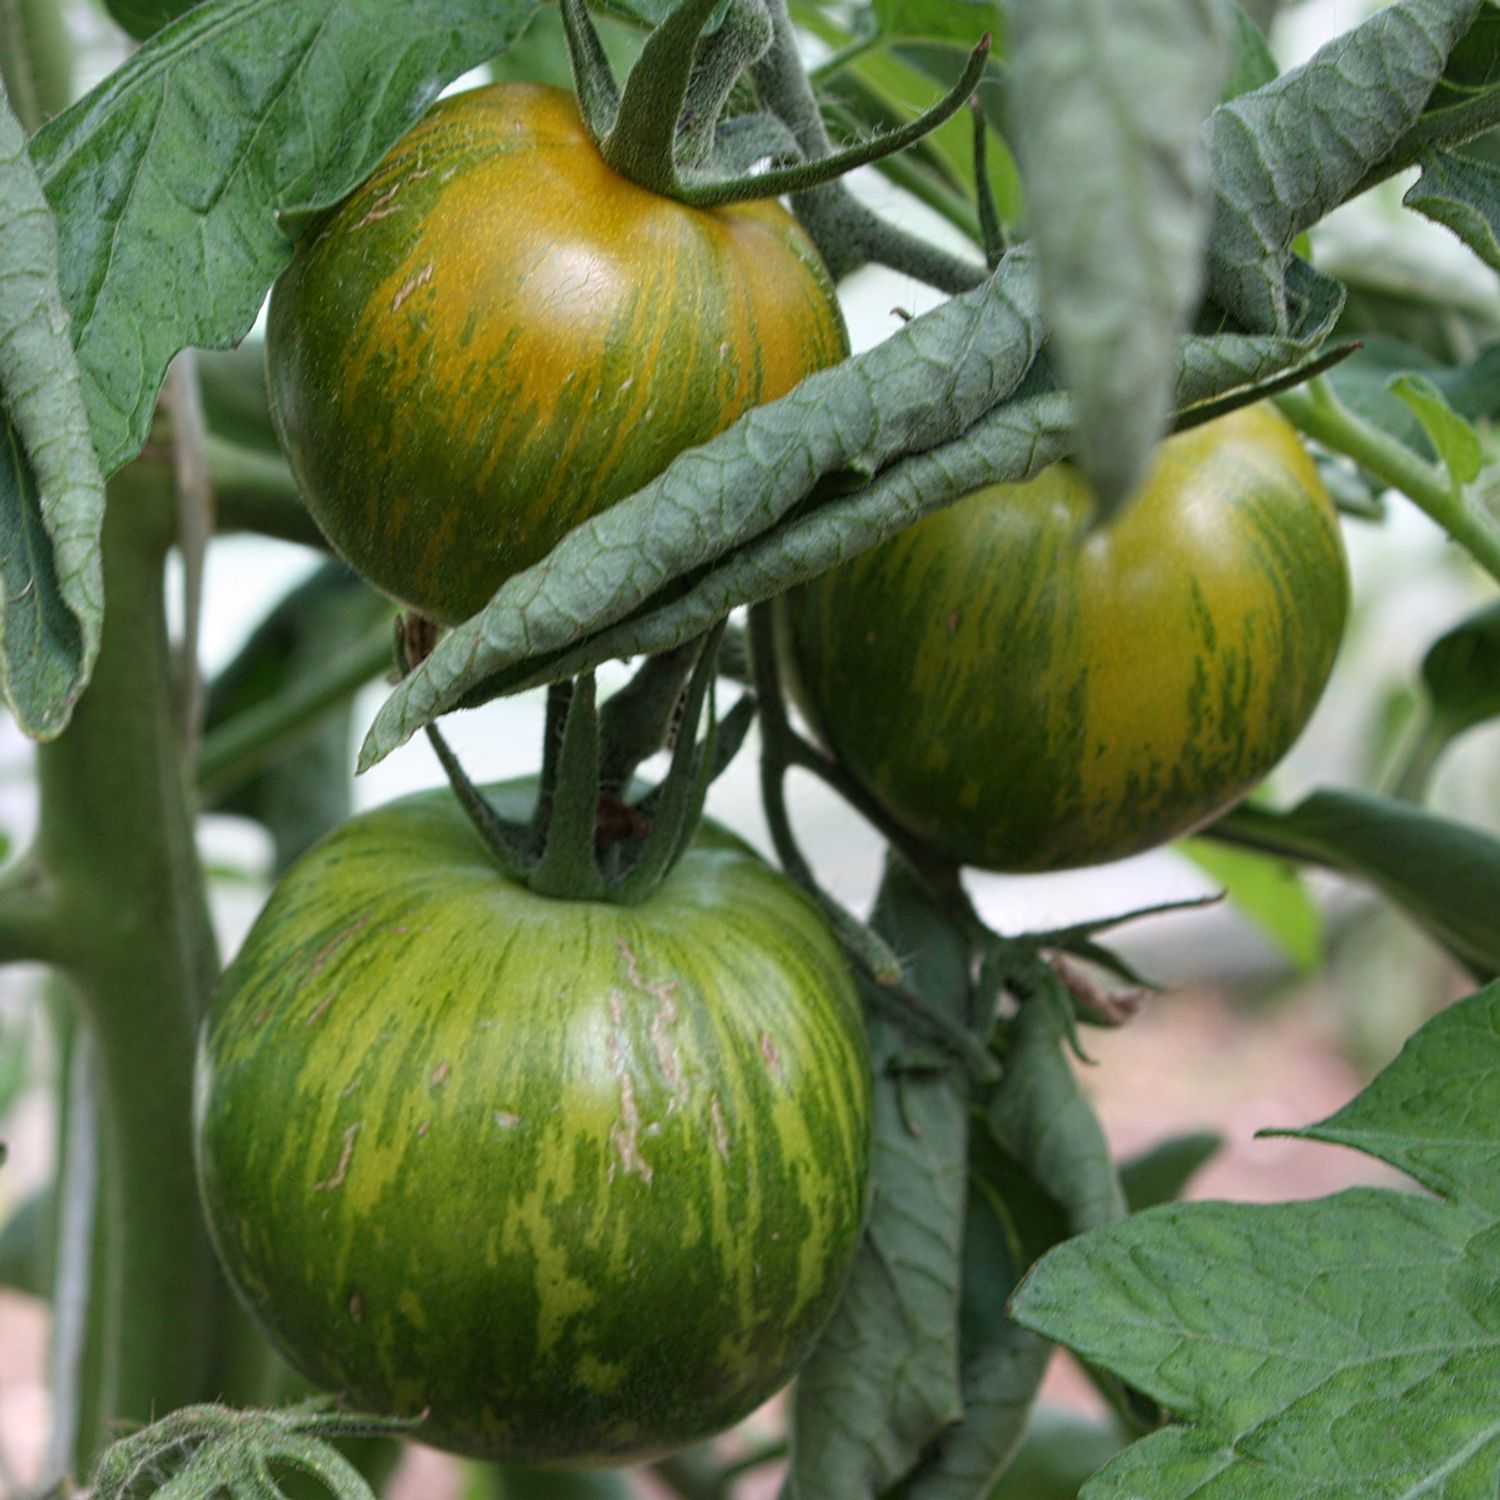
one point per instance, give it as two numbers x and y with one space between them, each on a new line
580 1182
1021 692
496 337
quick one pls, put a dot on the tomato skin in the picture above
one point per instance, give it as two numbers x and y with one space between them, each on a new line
582 1181
1023 696
496 337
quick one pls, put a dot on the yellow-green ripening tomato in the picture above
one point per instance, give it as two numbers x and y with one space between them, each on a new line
1022 691
575 1183
496 337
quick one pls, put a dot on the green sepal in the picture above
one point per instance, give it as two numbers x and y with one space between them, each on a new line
567 867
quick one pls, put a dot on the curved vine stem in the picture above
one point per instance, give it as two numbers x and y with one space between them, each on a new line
1317 411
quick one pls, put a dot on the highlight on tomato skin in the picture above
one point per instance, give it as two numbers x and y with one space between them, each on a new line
581 1182
1022 694
496 337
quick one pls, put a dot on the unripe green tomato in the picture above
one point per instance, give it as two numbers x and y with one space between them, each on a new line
496 337
1020 692
580 1182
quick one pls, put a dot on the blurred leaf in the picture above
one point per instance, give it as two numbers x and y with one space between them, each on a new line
1444 875
26 1244
1464 195
1107 105
51 490
1269 893
1159 1174
1456 442
167 178
236 397
1461 671
1251 61
307 789
949 20
883 1380
15 1061
1062 1449
1343 1348
141 18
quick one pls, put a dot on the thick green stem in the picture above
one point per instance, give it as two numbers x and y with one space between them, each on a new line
116 841
1319 413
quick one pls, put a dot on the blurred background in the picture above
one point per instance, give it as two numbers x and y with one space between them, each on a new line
1270 1014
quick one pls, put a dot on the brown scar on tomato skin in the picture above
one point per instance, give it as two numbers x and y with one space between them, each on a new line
423 1128
327 950
772 1055
263 1015
721 1130
340 1172
316 1013
439 1076
953 621
419 280
625 1135
356 1307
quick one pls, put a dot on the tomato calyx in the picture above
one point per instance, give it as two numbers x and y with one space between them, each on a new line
594 834
666 131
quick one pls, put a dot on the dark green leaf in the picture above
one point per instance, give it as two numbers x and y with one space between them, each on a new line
884 1378
167 178
1268 892
51 490
307 789
1444 875
1463 194
1287 153
1332 1350
1060 1452
1159 1175
143 17
1106 121
1461 672
26 1244
236 398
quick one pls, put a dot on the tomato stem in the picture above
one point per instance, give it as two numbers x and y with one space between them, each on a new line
1318 412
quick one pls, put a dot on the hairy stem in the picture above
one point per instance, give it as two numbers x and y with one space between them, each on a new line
116 841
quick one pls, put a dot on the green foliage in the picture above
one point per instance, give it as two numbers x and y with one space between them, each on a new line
1118 207
1443 874
1463 194
1340 1348
51 491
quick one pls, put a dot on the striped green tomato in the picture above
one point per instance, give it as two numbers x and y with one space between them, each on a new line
1022 692
580 1182
497 337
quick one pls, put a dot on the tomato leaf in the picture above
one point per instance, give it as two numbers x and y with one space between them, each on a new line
883 1380
1456 442
1161 1172
1461 672
1251 62
1344 1347
166 179
1463 194
1444 875
1287 153
51 491
1108 102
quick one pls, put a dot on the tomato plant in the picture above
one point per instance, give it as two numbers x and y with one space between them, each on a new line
578 1181
497 336
1024 693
